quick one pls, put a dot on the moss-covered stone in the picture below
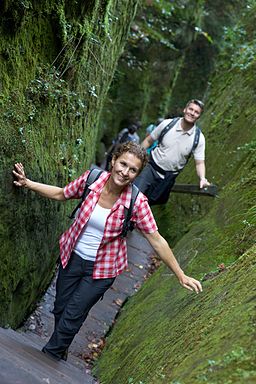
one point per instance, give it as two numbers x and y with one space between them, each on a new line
57 63
166 334
171 336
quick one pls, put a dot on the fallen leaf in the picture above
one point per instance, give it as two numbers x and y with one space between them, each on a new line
118 302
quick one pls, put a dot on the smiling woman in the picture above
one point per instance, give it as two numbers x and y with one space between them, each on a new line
92 250
125 166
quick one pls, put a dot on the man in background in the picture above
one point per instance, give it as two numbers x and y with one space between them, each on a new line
126 134
178 139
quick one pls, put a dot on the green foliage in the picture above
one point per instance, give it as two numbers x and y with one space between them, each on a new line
50 89
239 42
250 217
169 24
167 41
64 26
165 23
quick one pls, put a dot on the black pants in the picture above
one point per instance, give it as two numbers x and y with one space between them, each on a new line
156 188
76 293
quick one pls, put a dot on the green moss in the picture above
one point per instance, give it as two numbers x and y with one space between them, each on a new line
166 334
180 337
57 63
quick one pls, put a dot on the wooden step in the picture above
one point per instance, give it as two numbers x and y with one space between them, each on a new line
22 362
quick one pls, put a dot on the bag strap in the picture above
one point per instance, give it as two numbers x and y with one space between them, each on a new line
167 128
195 142
123 136
128 225
92 177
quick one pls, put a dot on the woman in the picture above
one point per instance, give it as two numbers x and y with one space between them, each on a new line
92 252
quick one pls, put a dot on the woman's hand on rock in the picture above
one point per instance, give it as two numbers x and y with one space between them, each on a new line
20 175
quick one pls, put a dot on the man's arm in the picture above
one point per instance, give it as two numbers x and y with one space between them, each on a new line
163 250
49 191
147 142
200 170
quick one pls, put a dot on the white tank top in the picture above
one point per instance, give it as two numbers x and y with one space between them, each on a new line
90 238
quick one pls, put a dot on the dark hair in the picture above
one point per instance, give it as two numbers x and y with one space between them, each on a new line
197 102
133 148
132 128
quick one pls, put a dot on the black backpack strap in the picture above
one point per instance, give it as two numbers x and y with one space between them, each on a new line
196 138
195 142
167 128
128 225
122 138
92 177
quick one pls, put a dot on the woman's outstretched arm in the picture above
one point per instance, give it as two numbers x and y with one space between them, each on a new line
163 250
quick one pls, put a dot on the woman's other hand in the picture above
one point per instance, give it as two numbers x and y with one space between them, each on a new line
163 250
190 283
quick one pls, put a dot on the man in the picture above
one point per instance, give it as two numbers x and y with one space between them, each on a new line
128 134
172 153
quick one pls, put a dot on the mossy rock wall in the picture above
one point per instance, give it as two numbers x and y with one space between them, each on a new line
166 334
57 62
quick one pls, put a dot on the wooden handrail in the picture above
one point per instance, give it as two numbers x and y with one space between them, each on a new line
194 189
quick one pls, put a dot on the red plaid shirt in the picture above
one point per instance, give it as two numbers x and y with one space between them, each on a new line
111 258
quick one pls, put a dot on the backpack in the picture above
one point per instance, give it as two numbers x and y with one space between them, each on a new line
171 125
123 136
128 225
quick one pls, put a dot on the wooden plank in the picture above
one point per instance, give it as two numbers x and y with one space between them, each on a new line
194 189
22 362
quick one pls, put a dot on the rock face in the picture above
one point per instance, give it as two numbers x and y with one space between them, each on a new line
165 334
57 62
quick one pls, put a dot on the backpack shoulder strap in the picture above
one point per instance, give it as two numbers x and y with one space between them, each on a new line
128 225
196 138
195 142
122 135
92 177
167 128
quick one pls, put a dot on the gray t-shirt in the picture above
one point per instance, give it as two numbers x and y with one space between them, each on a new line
172 153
